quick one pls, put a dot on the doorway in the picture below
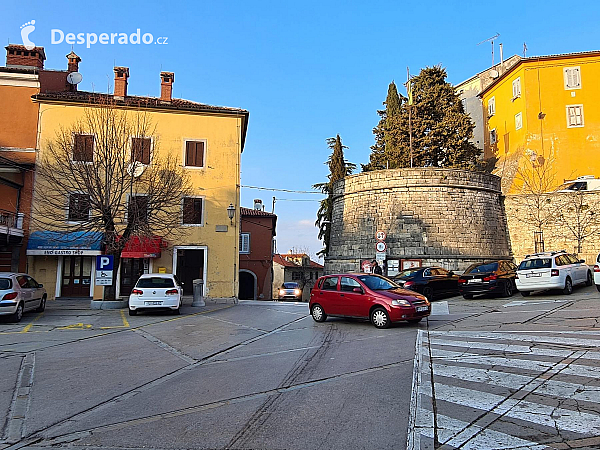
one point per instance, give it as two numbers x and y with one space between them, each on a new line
131 269
76 276
247 285
190 266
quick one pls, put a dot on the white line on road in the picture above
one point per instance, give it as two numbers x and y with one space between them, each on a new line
518 337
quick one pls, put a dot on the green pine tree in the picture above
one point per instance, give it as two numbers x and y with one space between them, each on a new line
440 129
338 169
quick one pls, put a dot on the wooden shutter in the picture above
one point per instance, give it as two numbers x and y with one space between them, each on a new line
140 150
192 211
83 148
194 153
244 242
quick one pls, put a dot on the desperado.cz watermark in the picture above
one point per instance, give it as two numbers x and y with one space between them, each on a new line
89 39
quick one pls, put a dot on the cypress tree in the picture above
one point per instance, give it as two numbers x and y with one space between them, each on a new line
338 169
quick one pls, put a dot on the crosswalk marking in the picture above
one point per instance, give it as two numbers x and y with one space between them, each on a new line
481 403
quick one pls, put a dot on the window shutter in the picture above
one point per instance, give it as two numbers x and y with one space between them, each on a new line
200 154
146 150
190 154
244 242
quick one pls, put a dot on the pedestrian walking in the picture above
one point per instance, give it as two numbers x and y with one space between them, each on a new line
376 268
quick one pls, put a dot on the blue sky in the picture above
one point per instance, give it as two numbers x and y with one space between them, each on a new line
305 70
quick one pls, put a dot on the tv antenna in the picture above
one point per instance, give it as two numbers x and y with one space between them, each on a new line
492 39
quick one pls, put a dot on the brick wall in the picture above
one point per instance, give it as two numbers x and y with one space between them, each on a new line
444 217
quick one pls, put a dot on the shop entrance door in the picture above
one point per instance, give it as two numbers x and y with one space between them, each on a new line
131 269
190 266
77 276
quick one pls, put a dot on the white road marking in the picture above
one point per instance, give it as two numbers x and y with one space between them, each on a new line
440 308
487 369
525 302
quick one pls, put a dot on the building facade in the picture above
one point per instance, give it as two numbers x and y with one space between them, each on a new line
22 77
208 141
257 232
297 267
544 109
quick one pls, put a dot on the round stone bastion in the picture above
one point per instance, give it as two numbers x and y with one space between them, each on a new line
444 217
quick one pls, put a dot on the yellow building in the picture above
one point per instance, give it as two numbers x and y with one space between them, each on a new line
545 106
208 248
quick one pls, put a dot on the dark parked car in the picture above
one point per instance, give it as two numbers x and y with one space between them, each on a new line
490 277
366 296
432 282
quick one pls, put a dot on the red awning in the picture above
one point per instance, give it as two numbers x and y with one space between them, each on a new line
143 247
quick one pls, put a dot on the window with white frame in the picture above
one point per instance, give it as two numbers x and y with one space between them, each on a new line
492 106
572 77
493 137
192 210
518 121
79 207
516 85
574 116
245 243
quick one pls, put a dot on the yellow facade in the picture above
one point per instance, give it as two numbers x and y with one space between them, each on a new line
559 118
218 183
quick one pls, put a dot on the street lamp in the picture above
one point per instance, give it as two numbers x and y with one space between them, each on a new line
231 212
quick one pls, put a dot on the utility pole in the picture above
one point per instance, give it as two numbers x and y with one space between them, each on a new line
410 101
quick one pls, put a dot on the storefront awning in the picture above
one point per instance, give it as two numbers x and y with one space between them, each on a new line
143 247
57 243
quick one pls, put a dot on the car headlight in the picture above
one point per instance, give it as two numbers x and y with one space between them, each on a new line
400 303
297 291
281 292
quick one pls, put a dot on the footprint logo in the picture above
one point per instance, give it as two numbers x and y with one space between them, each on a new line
26 30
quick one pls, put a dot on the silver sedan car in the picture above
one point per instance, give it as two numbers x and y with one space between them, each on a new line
20 293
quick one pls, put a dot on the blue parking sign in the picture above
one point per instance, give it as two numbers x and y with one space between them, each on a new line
104 262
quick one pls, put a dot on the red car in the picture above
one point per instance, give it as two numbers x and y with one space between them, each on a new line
366 296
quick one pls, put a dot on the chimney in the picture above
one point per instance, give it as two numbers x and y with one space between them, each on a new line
166 86
258 206
74 60
121 76
19 56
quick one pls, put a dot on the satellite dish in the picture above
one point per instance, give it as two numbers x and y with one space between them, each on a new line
494 73
74 78
135 169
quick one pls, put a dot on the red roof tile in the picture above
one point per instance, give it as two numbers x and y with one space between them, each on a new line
255 212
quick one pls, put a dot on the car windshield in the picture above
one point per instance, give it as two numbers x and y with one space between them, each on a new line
483 268
377 283
5 283
155 282
538 263
290 285
408 273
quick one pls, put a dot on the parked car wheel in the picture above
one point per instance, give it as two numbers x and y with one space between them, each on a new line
318 314
18 314
467 296
380 318
568 289
132 312
177 311
590 279
525 293
42 306
508 289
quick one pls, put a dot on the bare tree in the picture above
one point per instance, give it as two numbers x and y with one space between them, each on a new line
105 174
579 216
535 181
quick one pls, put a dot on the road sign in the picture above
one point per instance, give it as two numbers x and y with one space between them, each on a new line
380 235
380 256
381 247
104 262
104 277
104 281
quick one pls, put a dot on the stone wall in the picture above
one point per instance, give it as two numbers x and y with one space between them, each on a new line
444 217
556 237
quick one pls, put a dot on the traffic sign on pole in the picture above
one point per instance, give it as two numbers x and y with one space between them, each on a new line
380 235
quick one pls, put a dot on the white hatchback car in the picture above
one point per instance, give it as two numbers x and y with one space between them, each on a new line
156 291
552 270
20 293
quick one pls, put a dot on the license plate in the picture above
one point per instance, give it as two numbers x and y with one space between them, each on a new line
422 308
529 275
152 303
474 280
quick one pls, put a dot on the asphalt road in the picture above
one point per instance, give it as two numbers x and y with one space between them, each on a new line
484 373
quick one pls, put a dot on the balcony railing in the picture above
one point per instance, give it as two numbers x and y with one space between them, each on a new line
11 223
